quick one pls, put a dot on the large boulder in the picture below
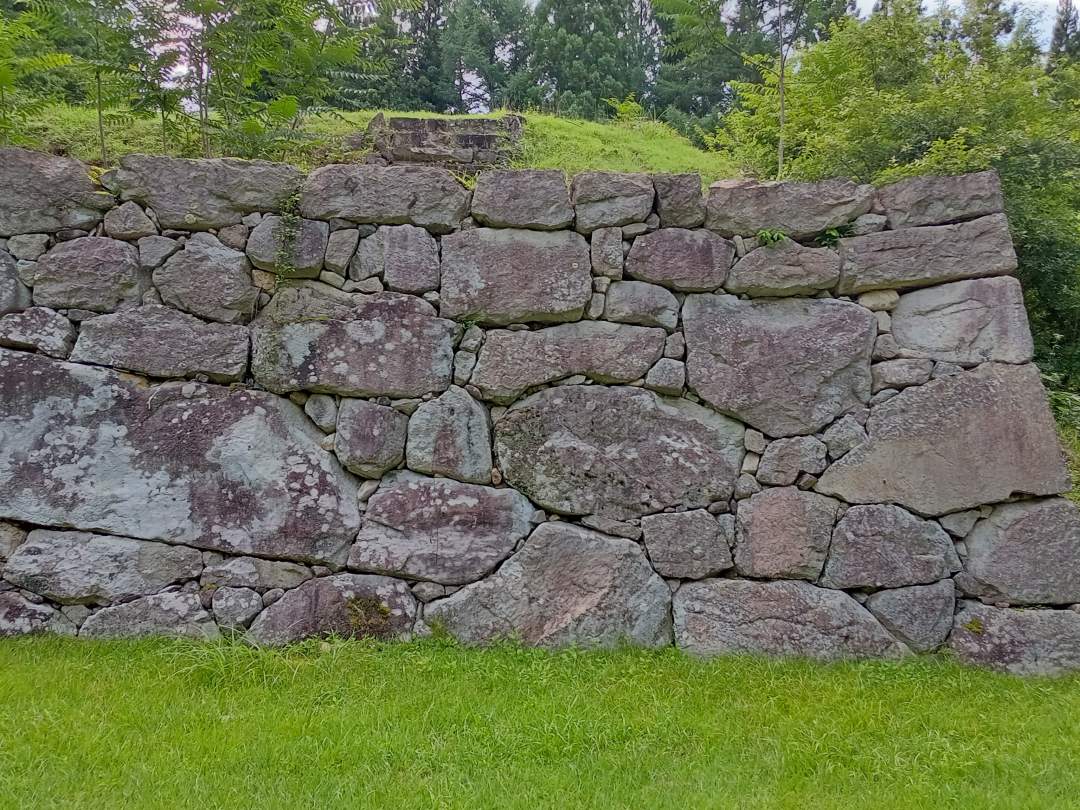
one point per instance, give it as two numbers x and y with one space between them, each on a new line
783 533
14 295
511 362
197 195
343 605
799 210
439 530
252 573
885 546
956 442
315 338
919 257
965 322
92 273
689 545
679 201
232 470
21 617
45 194
234 608
161 342
38 329
407 258
128 222
607 199
93 569
154 250
396 195
684 260
209 280
1022 642
933 200
370 438
617 452
897 374
28 246
786 268
533 198
606 252
1025 553
786 367
11 537
450 436
175 614
302 257
784 459
500 276
567 586
640 303
921 616
787 618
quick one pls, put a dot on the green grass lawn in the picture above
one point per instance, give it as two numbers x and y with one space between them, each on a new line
548 143
430 725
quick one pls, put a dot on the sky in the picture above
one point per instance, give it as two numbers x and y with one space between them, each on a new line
1045 10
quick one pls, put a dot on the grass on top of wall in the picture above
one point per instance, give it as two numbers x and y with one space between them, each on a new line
549 142
153 724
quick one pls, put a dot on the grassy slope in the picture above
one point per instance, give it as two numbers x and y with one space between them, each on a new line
550 142
160 724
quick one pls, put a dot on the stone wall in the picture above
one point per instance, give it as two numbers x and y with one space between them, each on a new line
465 145
371 402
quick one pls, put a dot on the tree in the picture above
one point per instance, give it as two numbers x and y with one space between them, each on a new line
983 22
155 59
23 54
1065 41
407 38
583 51
713 44
483 46
108 53
890 98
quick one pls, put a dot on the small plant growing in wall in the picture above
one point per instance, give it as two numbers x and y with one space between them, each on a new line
368 617
770 237
831 237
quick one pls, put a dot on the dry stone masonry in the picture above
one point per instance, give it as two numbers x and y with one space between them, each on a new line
372 402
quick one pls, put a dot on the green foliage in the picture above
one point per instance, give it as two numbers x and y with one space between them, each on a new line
831 237
626 111
708 44
1066 406
113 55
159 724
769 237
23 54
893 97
